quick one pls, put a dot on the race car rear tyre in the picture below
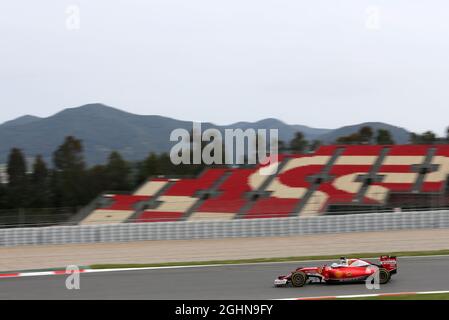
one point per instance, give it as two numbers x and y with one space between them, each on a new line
298 279
384 276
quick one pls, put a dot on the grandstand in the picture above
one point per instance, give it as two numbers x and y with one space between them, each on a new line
332 180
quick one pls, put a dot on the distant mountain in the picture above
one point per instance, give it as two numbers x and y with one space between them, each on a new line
400 135
21 120
286 131
104 129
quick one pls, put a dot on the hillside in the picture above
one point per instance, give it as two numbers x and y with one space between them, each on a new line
104 129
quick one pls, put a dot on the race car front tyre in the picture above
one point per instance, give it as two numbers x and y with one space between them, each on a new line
384 276
298 279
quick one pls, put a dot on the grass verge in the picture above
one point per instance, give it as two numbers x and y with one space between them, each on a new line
262 260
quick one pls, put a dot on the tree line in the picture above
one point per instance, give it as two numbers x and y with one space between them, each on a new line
70 183
365 135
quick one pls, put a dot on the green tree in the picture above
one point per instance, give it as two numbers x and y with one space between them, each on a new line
427 137
315 145
350 139
69 155
282 147
363 136
16 168
166 167
97 181
40 170
117 171
366 135
40 196
69 178
3 197
149 167
342 140
17 179
298 144
383 137
414 138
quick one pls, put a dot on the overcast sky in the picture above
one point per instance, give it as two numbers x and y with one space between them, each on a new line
319 63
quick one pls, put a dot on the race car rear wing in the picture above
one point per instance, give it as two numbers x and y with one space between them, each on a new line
389 262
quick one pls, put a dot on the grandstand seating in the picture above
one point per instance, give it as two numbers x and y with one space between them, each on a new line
344 187
304 185
287 188
231 196
435 181
180 197
120 209
151 187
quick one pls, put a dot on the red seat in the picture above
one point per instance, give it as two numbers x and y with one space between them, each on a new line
271 207
232 196
152 216
124 202
188 187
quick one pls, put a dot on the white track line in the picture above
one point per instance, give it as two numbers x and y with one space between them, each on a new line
62 272
350 296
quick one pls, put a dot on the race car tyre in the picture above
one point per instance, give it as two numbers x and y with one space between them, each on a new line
298 279
384 276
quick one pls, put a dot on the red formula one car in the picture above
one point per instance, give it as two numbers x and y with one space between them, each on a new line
347 270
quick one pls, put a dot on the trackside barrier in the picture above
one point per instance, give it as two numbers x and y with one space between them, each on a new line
182 230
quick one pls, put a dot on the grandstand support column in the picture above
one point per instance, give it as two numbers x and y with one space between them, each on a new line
315 182
423 169
371 177
253 196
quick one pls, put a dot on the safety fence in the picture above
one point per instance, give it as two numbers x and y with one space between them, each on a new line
35 217
125 232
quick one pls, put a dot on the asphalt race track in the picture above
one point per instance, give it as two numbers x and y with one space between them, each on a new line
221 282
